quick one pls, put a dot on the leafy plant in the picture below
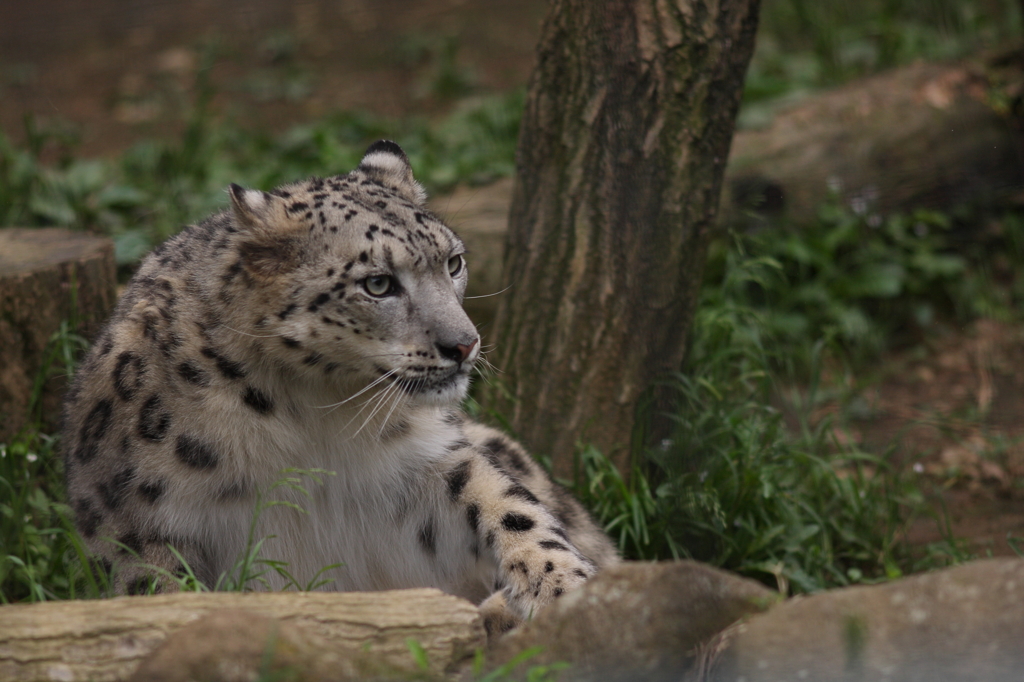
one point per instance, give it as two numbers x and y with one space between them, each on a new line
41 556
733 485
860 281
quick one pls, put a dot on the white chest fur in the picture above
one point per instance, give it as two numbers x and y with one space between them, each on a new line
375 507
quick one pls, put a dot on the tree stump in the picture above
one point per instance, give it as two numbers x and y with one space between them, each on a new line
46 276
106 640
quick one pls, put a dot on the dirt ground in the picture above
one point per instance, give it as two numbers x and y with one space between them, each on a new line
952 412
116 71
120 70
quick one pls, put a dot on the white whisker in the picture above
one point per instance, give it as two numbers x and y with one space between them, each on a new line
366 403
496 293
384 396
383 424
364 390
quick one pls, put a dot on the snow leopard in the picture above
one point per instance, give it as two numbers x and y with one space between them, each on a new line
315 327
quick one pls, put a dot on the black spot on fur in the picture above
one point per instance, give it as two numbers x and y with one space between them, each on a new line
508 455
228 368
195 453
154 421
290 342
456 479
193 375
558 592
287 311
579 572
560 533
93 430
152 490
522 493
232 492
87 517
457 445
517 523
140 586
363 257
428 540
128 374
554 544
258 400
548 567
232 271
113 492
318 301
108 345
564 509
473 516
131 543
312 359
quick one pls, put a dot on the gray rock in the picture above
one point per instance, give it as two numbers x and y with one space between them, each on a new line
636 621
963 623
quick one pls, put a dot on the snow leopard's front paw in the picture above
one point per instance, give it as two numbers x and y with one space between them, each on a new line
536 576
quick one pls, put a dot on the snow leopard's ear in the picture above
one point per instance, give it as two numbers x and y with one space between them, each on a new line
270 244
252 207
385 162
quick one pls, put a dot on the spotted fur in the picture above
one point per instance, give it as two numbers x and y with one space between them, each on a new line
315 326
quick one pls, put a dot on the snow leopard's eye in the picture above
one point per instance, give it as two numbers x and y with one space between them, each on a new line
454 265
379 285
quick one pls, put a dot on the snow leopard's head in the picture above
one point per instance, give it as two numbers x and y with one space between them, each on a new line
359 282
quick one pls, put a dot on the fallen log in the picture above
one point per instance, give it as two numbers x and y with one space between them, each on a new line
46 276
105 640
925 135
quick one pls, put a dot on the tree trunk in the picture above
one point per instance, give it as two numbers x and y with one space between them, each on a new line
621 153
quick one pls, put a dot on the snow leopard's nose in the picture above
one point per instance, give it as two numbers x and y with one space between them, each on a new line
459 352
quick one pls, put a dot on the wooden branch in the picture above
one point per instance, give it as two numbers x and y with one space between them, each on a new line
105 640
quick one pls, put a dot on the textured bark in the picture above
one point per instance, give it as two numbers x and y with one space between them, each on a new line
107 639
621 153
46 276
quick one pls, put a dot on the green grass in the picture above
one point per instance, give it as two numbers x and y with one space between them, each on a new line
41 555
735 485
